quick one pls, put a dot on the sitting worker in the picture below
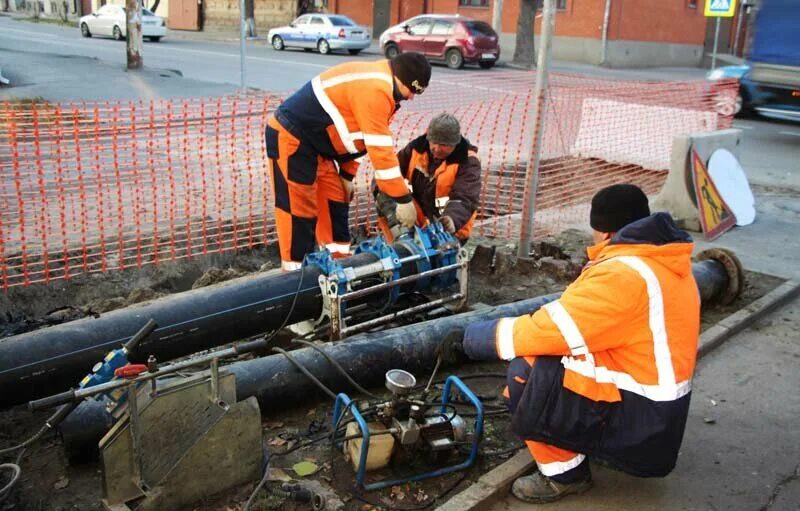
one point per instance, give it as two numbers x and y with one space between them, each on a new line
606 369
444 172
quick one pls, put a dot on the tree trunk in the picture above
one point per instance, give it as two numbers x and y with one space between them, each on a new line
134 37
250 17
524 51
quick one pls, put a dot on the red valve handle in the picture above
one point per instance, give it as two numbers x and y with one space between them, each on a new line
130 370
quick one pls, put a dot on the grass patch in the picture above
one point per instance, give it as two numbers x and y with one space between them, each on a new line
51 21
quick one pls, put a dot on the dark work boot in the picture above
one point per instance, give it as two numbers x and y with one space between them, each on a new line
540 489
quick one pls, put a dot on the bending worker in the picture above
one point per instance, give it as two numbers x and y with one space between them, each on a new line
606 369
444 172
315 139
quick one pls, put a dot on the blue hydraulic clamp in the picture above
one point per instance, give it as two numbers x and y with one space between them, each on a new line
343 403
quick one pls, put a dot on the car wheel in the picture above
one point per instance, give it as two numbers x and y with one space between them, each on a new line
155 38
117 33
85 30
728 103
353 52
454 59
277 43
391 51
323 47
488 64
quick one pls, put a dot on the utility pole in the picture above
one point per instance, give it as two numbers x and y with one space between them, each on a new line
133 13
242 50
497 16
539 106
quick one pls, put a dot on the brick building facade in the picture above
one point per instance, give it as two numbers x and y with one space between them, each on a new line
639 33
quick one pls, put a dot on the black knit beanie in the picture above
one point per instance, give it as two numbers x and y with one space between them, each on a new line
413 71
616 206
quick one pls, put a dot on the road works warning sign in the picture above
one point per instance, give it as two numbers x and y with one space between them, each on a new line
715 216
720 8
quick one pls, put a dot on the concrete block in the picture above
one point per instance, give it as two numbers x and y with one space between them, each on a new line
677 196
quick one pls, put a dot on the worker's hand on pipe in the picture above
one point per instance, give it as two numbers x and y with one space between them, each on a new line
448 224
451 347
349 189
406 214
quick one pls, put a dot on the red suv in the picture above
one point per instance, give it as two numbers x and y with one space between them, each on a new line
454 40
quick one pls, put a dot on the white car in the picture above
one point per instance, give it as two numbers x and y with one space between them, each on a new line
325 32
110 20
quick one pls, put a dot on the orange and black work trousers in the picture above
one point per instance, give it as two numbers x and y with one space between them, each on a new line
310 201
561 465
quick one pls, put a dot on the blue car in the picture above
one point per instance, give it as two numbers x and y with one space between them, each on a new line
323 32
769 91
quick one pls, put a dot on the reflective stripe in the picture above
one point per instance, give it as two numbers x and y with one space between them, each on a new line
505 338
441 202
566 325
341 248
290 265
624 381
378 140
658 327
391 173
356 135
559 467
351 77
335 115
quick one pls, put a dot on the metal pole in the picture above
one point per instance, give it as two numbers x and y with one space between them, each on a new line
497 16
716 41
242 36
740 15
604 44
539 108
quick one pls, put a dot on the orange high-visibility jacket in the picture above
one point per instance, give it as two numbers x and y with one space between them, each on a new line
623 339
345 113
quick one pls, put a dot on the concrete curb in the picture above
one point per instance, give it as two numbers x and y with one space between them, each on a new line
494 484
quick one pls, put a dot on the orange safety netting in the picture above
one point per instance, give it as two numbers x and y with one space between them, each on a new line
98 186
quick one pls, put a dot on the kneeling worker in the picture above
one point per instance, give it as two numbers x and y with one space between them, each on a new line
444 174
605 370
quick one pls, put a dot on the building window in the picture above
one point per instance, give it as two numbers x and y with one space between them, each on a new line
473 3
561 5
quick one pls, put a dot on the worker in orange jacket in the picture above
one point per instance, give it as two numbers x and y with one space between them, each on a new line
444 172
314 142
606 369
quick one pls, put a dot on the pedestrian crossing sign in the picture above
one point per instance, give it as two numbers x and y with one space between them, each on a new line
720 8
715 215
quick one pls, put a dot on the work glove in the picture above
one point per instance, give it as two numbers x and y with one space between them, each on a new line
406 214
451 347
448 224
349 189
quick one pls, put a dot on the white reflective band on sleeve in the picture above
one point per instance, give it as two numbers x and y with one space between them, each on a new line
566 325
378 140
350 77
505 338
391 173
559 467
335 115
290 265
441 202
340 248
658 326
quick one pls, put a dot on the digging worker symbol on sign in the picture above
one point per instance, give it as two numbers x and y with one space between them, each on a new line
716 210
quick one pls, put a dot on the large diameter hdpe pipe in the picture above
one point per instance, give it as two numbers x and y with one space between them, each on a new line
43 362
278 385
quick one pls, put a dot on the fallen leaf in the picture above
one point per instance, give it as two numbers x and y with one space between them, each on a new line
304 468
713 403
277 441
61 483
278 474
709 420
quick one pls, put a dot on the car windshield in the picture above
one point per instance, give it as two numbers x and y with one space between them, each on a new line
341 21
479 28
